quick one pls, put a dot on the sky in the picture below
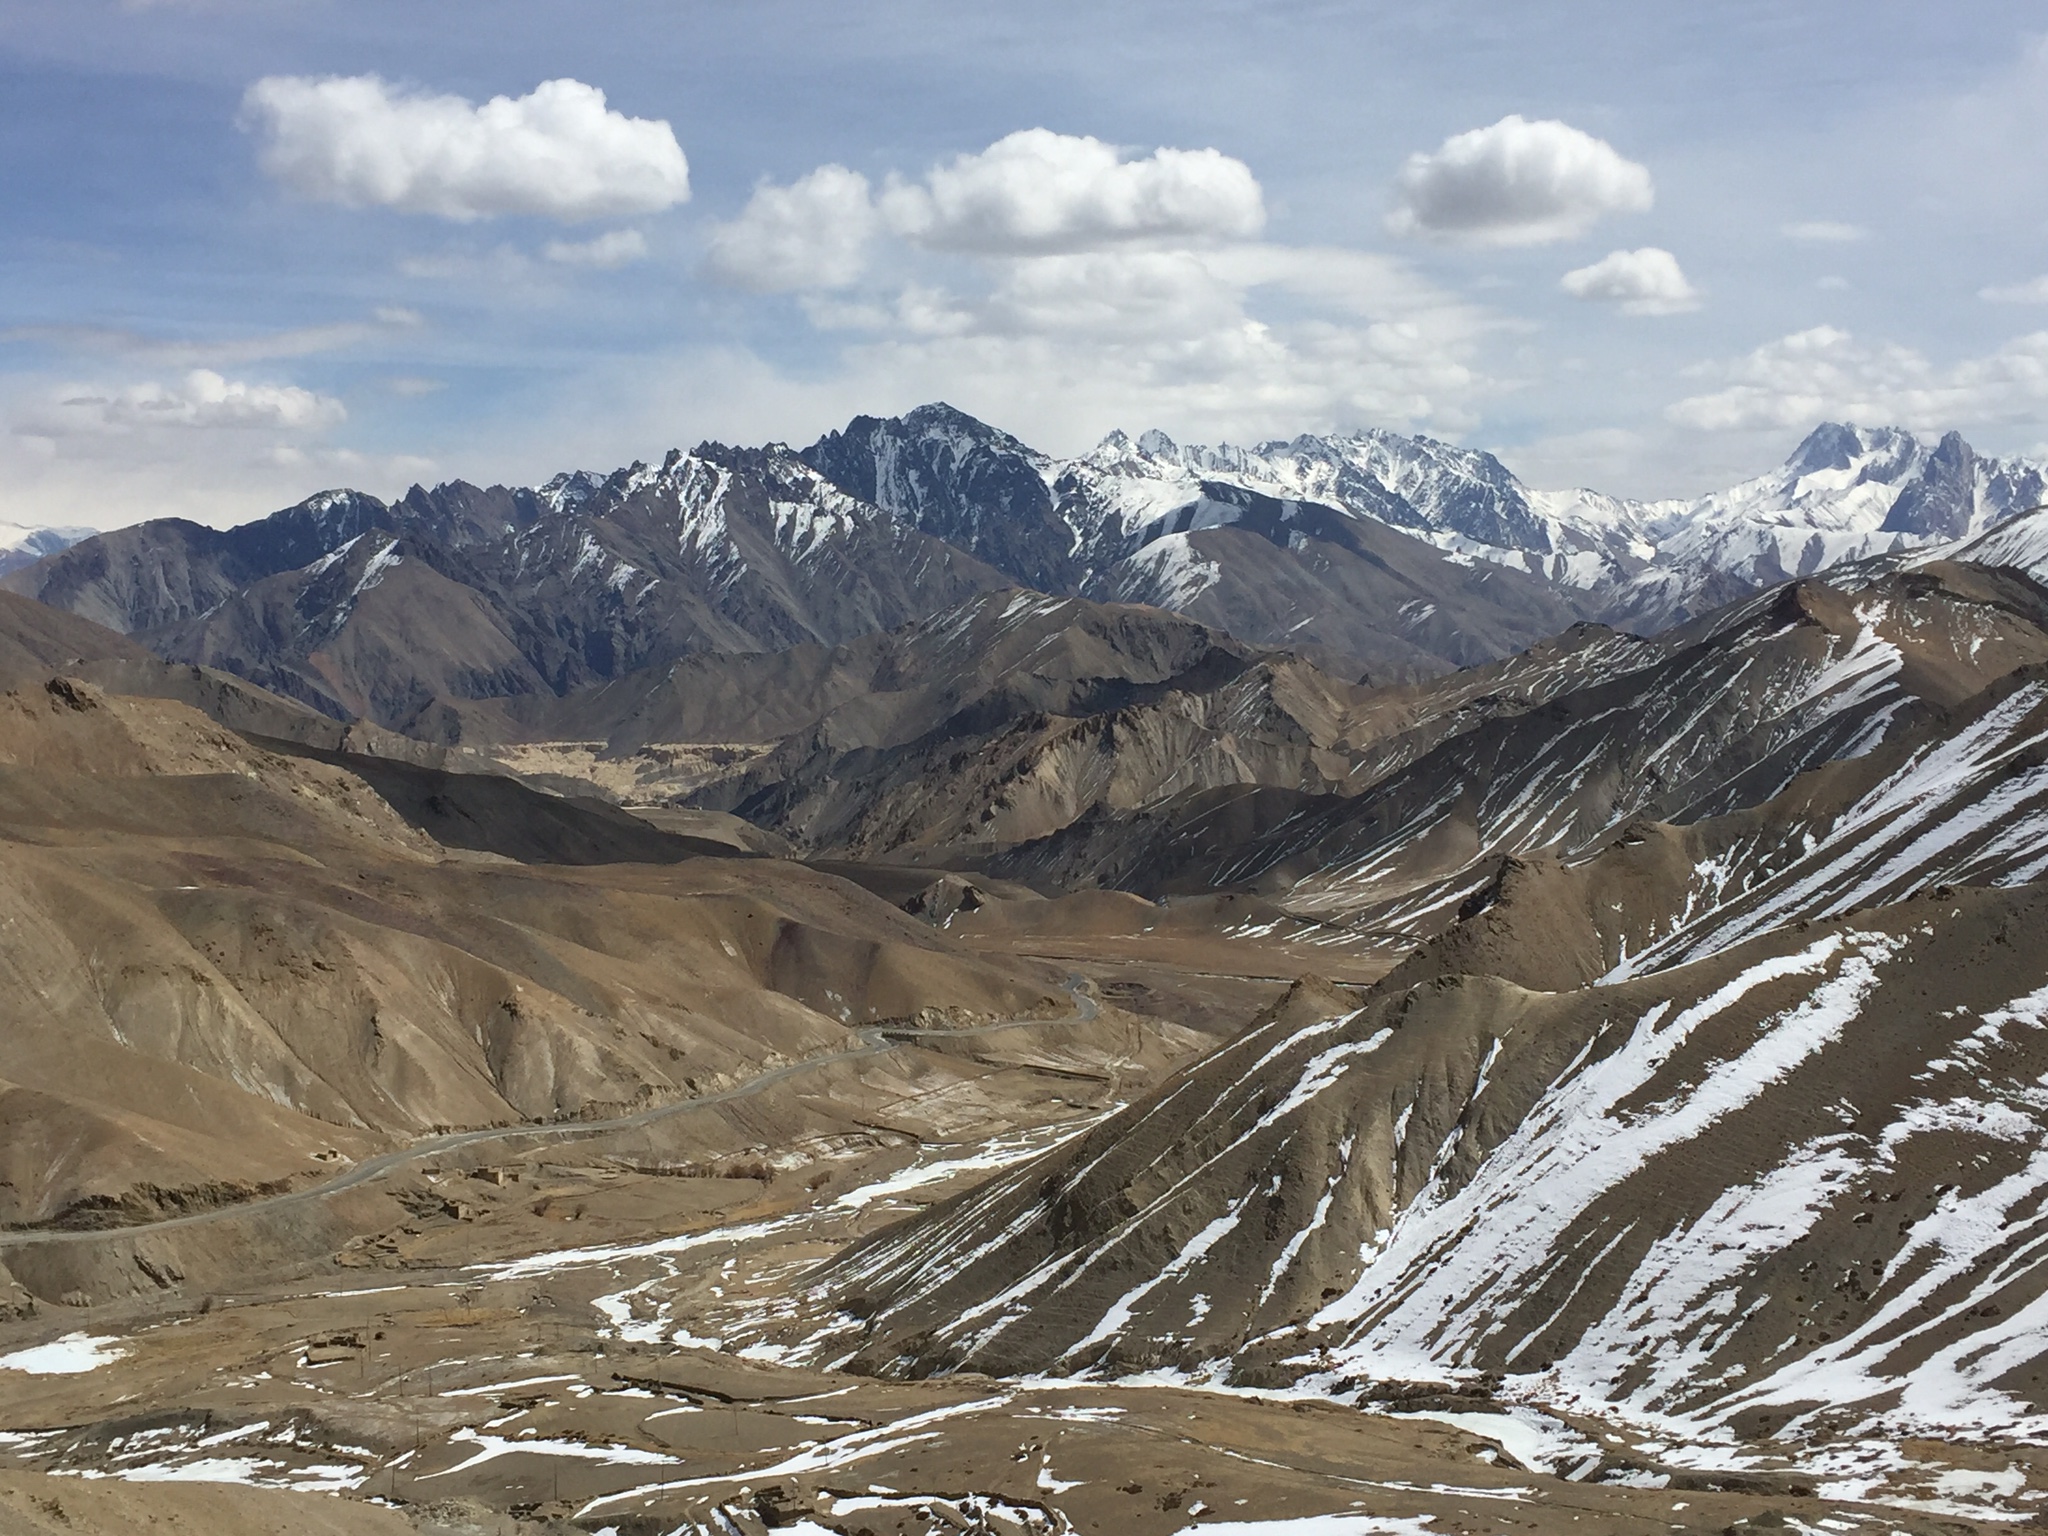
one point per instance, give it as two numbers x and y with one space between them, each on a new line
252 249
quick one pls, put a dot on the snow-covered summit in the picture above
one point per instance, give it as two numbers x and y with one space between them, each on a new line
1845 493
22 545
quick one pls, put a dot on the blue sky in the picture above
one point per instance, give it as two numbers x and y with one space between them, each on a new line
254 248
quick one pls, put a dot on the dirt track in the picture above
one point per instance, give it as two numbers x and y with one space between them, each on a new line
875 1040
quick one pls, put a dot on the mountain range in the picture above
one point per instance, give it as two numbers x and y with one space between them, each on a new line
461 614
1702 1093
1365 932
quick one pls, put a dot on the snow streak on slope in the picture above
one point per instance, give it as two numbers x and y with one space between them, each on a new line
1559 751
2020 543
1776 1191
1694 1329
1458 1261
1969 806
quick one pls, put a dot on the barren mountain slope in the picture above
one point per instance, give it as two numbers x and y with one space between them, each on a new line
964 795
1014 715
1074 744
1790 1188
1961 799
163 572
181 902
993 656
1730 1130
995 721
1706 719
421 615
1266 562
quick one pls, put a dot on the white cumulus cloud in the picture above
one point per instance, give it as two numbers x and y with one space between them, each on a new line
1061 282
202 399
813 233
613 248
1516 183
1643 282
558 151
1829 374
1036 192
1033 193
1110 296
1069 341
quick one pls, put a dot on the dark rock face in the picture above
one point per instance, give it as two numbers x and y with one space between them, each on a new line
1942 502
407 614
1373 554
1338 576
1302 574
961 480
1693 1112
1831 445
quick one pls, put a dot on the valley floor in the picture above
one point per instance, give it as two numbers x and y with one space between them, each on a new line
590 1334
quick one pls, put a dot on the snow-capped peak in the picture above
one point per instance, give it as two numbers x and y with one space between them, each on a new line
24 545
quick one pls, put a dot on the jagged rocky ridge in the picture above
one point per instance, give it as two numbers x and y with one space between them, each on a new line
1731 1129
456 614
1845 493
225 958
424 615
1560 747
451 613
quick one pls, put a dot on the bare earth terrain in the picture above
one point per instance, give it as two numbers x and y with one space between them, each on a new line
1063 1070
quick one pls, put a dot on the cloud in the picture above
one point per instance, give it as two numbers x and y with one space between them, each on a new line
411 386
213 447
1824 232
813 233
1828 374
613 248
1642 282
2034 292
1516 183
216 479
1107 295
222 351
1032 193
1059 346
1060 284
202 399
558 152
1036 191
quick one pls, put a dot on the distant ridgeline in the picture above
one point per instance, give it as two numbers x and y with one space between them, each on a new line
456 613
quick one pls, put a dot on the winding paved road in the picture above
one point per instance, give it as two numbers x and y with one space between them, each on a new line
875 1040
